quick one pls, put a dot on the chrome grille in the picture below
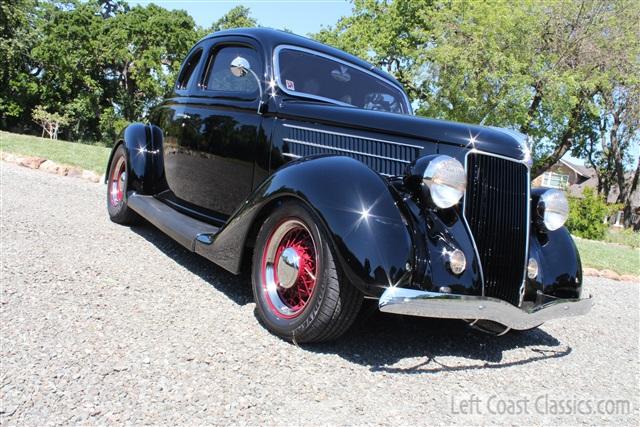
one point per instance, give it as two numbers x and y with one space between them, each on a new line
496 209
385 157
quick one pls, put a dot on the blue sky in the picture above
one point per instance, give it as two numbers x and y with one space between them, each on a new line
301 16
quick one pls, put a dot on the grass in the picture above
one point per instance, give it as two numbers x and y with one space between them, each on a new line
90 157
623 237
602 255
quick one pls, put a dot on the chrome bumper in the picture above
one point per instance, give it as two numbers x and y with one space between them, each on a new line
452 306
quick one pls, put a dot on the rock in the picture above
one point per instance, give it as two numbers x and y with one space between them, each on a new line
75 172
630 278
32 162
590 272
49 166
13 158
90 176
608 274
8 157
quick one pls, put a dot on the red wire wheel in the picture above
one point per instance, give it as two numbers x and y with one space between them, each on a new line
117 182
289 269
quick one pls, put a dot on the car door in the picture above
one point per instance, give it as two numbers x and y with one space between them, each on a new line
210 169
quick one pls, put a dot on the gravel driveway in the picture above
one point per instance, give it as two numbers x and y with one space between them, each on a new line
103 324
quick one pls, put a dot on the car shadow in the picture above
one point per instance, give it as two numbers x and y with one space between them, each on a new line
387 340
381 341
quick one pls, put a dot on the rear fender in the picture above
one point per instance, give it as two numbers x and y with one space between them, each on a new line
143 147
370 237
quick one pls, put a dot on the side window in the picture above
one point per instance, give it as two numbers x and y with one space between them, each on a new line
218 76
187 70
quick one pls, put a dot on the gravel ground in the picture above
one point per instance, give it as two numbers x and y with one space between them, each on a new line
102 324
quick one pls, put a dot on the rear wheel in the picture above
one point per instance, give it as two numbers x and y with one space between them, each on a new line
299 290
119 211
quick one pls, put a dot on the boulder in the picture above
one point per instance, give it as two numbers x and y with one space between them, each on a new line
630 278
75 172
90 176
32 162
590 272
608 274
49 166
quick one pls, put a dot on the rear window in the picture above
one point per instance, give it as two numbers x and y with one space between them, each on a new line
187 70
311 74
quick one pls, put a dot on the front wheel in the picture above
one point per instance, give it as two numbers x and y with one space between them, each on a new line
299 291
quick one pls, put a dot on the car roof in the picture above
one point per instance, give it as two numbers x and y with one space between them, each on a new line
271 38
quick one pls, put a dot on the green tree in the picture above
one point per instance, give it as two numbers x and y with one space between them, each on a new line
97 57
69 57
17 37
238 17
142 52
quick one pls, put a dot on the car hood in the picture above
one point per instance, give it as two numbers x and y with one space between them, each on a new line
494 140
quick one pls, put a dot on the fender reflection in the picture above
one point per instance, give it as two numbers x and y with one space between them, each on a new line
370 237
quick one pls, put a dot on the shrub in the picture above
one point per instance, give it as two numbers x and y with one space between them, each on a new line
111 123
587 215
49 122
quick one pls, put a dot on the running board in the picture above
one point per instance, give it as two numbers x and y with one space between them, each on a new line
181 228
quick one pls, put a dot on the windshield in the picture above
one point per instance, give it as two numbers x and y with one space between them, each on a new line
304 72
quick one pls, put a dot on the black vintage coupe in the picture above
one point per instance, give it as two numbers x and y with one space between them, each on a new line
306 165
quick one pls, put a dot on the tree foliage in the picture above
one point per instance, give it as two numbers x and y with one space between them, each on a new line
238 17
17 38
101 63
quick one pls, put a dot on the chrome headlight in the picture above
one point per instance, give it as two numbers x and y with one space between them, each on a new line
446 180
553 209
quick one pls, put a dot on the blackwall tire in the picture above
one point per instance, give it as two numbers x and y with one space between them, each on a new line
311 302
119 211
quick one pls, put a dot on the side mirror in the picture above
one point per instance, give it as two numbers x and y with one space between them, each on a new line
240 66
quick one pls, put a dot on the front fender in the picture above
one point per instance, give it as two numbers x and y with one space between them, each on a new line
560 269
357 207
143 147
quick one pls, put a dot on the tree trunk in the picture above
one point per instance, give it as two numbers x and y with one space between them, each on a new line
617 158
566 140
633 187
535 102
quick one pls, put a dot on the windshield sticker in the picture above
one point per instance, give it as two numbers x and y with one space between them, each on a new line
290 85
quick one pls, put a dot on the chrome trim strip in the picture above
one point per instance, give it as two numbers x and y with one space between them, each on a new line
343 150
349 135
276 73
291 155
464 219
527 243
453 306
528 209
486 153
